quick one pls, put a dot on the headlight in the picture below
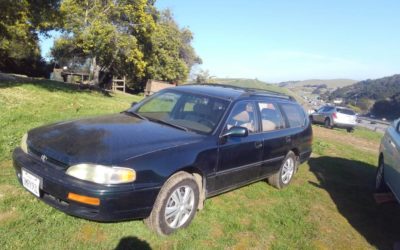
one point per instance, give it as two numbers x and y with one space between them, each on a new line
24 144
102 174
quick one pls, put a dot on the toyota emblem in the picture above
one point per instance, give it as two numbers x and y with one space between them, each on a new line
43 158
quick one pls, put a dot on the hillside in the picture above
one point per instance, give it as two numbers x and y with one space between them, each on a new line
255 83
380 97
330 83
376 89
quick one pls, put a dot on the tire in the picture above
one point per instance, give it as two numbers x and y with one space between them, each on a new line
327 123
182 212
278 180
380 184
350 130
311 119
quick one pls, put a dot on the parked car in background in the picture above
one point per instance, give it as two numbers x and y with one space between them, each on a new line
331 116
163 157
388 172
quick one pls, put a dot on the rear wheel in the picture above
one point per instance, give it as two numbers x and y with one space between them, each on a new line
176 204
350 130
327 123
380 185
285 174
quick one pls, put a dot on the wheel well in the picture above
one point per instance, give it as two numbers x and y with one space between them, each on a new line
201 182
297 153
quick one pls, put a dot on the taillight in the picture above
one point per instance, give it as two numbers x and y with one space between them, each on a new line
334 115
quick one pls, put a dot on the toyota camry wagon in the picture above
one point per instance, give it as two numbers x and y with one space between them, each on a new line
161 159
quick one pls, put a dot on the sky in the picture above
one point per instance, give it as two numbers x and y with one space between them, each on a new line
286 40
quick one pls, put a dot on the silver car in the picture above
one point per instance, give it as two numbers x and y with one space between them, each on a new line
339 117
388 173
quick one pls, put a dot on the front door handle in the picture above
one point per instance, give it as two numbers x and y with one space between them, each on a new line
288 139
258 144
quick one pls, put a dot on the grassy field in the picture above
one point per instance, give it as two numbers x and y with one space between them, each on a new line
329 204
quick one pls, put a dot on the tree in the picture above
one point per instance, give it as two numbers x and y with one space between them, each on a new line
109 32
20 23
171 55
126 37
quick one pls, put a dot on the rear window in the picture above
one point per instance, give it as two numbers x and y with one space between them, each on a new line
345 111
294 114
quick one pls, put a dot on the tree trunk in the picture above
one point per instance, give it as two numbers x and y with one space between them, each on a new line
96 72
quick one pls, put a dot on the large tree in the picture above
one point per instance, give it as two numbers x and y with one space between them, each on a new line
126 37
20 23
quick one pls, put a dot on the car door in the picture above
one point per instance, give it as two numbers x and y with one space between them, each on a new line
240 157
319 116
274 135
392 158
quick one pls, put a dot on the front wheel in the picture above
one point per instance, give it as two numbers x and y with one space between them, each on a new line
285 174
380 185
176 204
350 130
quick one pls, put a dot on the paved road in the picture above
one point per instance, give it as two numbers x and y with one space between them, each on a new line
368 123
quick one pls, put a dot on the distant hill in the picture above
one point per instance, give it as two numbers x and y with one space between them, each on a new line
330 83
255 83
380 96
376 89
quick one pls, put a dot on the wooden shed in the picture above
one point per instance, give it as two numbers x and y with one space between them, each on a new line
153 86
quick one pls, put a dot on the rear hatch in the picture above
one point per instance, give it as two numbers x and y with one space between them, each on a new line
344 115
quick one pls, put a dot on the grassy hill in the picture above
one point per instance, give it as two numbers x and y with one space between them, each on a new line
376 89
328 205
380 97
330 83
255 83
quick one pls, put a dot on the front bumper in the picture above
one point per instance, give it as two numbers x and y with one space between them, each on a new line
117 202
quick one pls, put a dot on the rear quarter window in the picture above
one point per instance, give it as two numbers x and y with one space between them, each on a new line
294 114
345 111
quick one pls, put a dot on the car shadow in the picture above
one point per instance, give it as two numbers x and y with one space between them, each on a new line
132 243
350 184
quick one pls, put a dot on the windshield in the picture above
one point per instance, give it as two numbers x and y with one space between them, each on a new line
345 111
192 112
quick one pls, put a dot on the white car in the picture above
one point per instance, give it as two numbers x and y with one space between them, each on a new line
331 116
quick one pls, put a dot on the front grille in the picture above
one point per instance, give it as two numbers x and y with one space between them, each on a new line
50 160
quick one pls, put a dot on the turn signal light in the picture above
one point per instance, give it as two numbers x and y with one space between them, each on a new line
84 199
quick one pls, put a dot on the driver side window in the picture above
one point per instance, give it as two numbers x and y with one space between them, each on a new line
243 115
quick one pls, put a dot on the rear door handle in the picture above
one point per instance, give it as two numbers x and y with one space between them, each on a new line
258 144
288 139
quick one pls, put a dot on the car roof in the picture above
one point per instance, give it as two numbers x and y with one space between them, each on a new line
229 92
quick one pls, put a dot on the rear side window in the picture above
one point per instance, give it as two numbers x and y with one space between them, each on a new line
271 118
345 111
294 114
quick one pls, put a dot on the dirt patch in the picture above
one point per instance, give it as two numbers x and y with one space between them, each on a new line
8 190
8 216
90 233
330 134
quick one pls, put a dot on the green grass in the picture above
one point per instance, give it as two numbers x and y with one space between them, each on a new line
328 205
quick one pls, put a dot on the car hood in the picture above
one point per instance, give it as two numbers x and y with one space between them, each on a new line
107 140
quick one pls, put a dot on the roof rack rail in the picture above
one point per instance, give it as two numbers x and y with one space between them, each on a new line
270 92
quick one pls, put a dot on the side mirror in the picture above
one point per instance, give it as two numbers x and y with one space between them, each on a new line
133 104
236 132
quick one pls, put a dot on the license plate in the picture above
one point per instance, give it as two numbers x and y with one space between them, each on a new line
31 182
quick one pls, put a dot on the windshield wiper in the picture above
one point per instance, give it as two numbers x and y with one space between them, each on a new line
169 124
135 114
